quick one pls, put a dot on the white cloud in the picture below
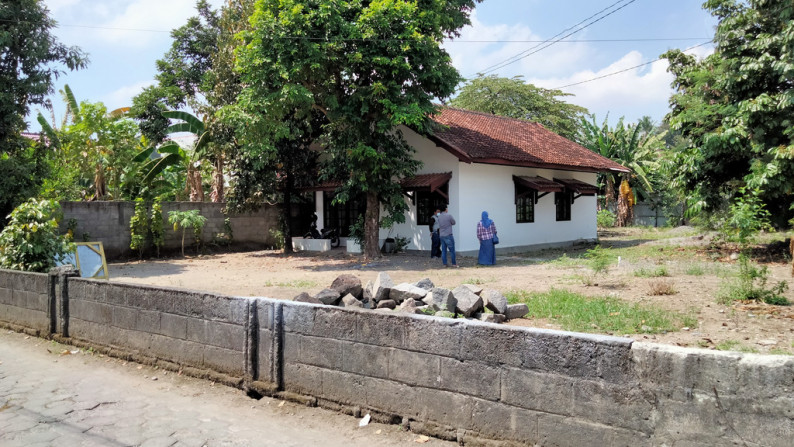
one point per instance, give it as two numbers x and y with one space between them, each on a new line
471 55
127 23
122 97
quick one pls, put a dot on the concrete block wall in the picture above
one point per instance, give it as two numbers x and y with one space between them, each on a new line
109 222
455 379
24 300
200 330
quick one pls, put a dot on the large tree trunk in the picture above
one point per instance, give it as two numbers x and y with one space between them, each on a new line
371 227
100 187
194 184
217 182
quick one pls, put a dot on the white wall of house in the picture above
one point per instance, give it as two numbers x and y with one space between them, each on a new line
475 188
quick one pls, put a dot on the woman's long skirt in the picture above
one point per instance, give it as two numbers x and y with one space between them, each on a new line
487 253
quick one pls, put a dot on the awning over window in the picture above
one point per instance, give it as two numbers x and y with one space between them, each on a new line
326 186
426 182
539 184
578 186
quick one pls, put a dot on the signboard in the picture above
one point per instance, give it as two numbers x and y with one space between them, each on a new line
89 259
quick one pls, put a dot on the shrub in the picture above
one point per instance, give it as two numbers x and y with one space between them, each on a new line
662 287
139 227
751 285
31 241
278 238
605 219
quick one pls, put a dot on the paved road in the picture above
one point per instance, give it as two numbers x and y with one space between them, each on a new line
53 394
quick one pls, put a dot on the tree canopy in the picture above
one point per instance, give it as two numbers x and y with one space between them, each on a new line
514 98
370 67
736 107
30 60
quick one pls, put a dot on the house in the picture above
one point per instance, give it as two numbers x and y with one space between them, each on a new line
538 187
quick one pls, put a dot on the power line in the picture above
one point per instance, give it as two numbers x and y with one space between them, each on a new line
625 69
526 53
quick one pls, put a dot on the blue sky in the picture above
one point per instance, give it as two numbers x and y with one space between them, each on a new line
124 38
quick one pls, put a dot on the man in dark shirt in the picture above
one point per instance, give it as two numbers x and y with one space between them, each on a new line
445 223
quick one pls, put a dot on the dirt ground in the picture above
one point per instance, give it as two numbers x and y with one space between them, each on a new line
746 327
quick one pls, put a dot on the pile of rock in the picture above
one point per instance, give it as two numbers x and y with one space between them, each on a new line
467 300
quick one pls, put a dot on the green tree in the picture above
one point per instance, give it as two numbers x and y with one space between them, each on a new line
31 58
735 108
515 98
369 67
31 241
188 219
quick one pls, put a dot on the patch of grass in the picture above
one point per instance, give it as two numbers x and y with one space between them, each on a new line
661 287
690 320
651 273
733 345
779 351
475 281
576 312
695 270
566 262
295 284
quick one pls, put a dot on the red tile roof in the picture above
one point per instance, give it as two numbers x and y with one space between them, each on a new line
476 137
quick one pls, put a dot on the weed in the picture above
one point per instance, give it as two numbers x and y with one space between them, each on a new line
661 287
690 320
565 262
576 312
648 273
695 270
445 313
733 345
277 237
475 281
703 344
296 284
779 351
751 285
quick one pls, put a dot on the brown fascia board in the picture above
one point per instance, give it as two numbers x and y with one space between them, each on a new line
528 164
452 149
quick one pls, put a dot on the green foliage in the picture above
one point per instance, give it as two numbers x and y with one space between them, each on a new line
746 218
139 227
21 174
157 226
514 98
94 150
751 285
605 219
598 259
735 106
575 312
695 270
278 238
30 60
369 67
31 241
188 219
400 243
654 273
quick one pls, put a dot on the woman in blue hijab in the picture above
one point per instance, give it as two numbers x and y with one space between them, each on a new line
486 233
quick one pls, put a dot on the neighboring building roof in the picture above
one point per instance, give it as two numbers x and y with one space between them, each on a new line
31 136
476 137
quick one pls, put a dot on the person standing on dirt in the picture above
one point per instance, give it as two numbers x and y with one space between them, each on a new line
435 239
445 223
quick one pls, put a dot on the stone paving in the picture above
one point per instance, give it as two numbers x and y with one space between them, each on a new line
52 394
